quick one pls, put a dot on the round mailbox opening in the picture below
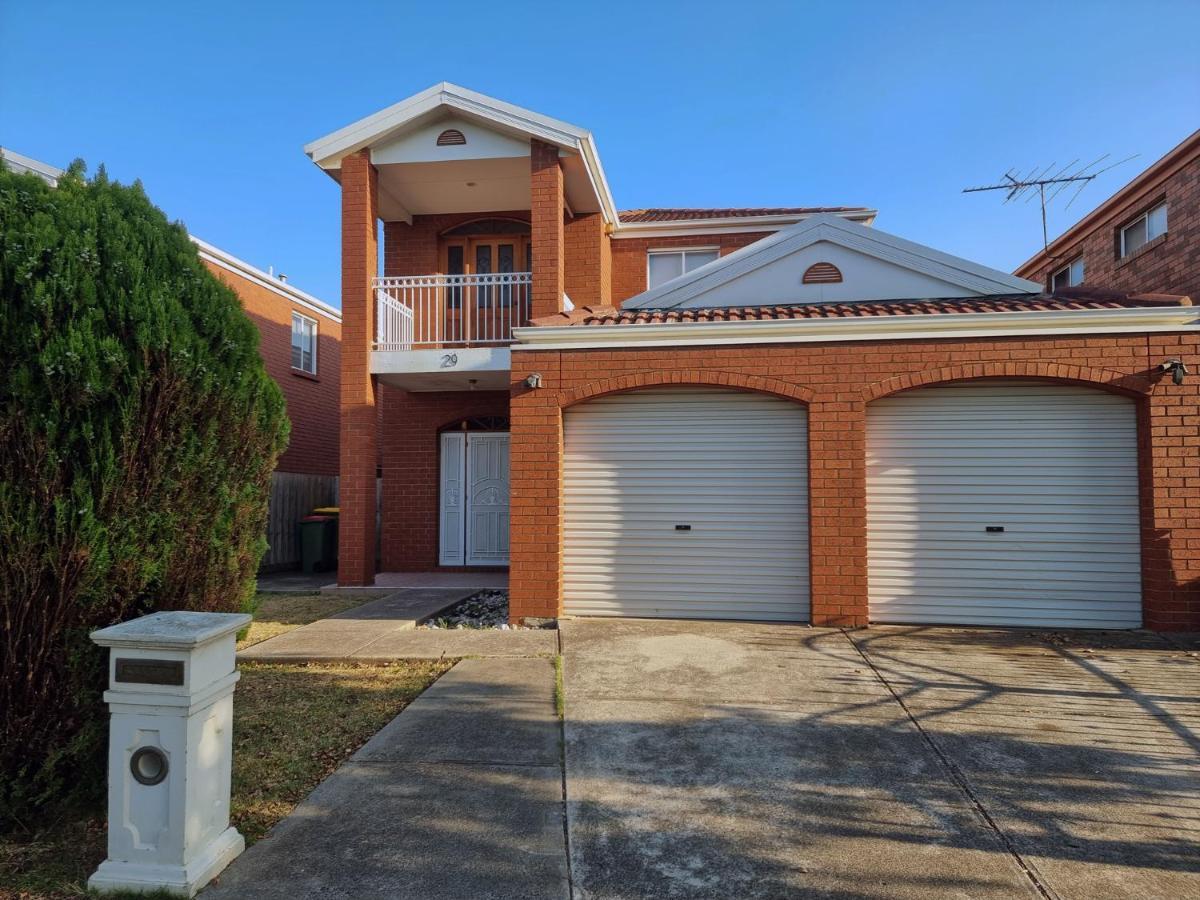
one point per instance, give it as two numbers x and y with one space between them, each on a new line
148 765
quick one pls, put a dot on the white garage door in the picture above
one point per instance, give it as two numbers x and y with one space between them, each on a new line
1004 503
686 503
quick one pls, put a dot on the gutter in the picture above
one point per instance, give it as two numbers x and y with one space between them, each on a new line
1139 320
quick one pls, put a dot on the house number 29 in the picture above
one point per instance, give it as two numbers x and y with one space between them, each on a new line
449 360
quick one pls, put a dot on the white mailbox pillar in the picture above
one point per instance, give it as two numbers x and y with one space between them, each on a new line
171 677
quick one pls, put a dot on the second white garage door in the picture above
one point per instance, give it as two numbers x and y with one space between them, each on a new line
1004 503
686 503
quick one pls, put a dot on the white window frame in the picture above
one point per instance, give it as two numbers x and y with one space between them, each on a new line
1069 269
304 320
1145 217
682 251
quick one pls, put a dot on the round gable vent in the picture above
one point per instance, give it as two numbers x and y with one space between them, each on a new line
822 273
450 138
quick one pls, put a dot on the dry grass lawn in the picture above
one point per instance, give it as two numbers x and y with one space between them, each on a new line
293 725
279 613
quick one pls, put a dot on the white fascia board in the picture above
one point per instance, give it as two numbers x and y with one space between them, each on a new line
231 263
327 152
972 277
728 224
872 328
18 162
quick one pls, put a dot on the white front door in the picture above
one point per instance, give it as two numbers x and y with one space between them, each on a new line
474 499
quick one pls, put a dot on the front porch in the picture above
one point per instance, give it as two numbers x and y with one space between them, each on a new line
490 215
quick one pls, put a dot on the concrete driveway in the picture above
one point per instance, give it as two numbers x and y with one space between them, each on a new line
742 760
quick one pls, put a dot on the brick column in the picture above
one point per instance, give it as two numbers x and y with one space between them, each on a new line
359 418
546 226
837 466
535 511
1169 421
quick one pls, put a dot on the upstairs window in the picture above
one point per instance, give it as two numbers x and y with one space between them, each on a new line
1068 276
1142 230
304 344
664 265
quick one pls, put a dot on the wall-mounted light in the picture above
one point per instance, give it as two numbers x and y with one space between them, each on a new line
534 380
1176 368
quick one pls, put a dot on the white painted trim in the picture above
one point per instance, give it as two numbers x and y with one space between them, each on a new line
728 224
972 277
316 335
28 165
231 263
328 151
867 328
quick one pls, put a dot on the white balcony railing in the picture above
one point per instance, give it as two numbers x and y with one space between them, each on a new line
430 311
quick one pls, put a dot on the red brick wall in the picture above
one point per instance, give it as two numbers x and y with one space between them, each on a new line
1169 264
312 403
837 380
629 257
411 461
413 249
588 272
360 417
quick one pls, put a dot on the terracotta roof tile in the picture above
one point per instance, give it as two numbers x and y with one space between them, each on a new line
670 214
1000 303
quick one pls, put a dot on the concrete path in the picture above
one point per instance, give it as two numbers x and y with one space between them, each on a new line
460 796
350 634
739 760
721 760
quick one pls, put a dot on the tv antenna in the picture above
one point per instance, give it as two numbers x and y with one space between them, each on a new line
1035 183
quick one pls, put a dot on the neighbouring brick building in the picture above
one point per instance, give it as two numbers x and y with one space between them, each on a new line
773 414
1145 237
300 339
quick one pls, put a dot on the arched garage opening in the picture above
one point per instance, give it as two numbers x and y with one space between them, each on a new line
686 502
1004 502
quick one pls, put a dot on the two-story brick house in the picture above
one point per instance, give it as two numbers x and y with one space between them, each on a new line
775 414
1144 237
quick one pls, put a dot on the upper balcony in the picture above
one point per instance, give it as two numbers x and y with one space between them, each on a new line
448 332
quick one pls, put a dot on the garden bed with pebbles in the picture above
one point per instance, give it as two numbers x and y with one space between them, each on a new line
485 609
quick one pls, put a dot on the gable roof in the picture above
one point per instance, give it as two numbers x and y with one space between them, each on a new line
328 151
708 280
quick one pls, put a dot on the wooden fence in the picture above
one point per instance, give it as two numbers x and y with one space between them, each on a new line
293 496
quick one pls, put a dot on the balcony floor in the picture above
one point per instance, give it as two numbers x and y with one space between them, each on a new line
445 369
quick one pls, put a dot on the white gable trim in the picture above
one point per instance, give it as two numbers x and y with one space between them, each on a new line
972 277
1138 320
327 152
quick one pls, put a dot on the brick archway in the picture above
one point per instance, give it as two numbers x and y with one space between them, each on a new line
1104 379
685 378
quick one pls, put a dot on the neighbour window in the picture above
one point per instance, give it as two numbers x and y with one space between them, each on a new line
304 344
1143 229
1068 276
663 265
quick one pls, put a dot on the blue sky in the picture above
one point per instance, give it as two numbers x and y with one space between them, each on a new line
892 105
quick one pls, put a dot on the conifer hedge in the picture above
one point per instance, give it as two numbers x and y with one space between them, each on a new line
138 433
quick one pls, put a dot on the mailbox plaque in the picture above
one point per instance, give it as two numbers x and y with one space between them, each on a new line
150 671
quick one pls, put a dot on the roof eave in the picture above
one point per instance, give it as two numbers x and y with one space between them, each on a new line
742 223
868 328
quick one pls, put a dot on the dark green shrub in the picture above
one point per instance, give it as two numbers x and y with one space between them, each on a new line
138 433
